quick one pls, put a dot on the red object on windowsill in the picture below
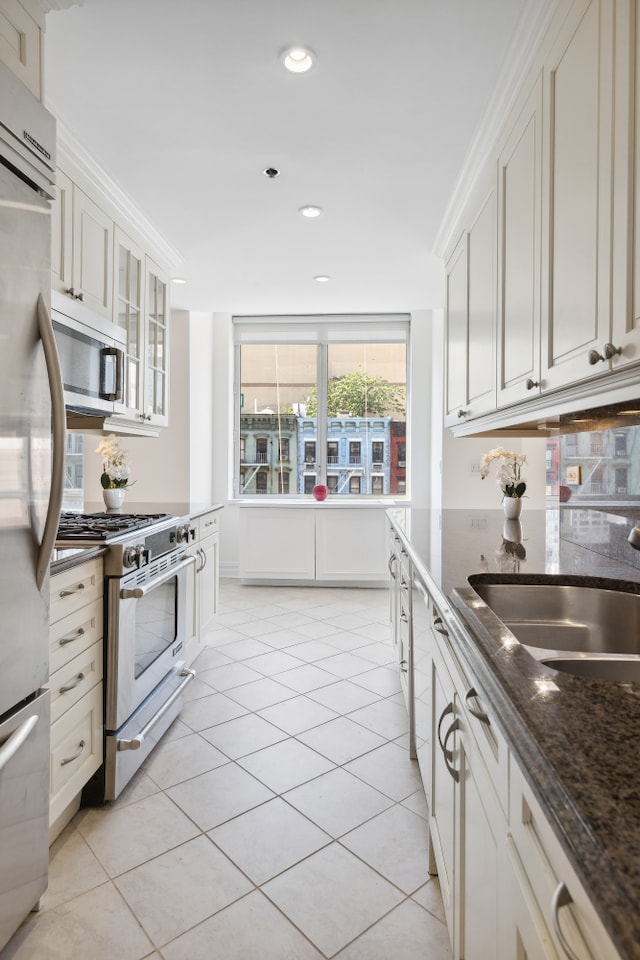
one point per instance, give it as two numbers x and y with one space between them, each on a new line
320 492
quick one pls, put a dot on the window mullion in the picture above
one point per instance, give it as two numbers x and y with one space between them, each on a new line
321 451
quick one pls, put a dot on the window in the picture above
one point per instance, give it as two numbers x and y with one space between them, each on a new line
261 449
596 444
326 393
622 479
620 444
261 482
283 482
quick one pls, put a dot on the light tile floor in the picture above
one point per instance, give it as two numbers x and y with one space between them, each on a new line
280 818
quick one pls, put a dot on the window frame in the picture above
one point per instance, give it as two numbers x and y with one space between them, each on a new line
321 331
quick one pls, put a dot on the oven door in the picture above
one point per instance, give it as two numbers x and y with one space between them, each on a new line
146 633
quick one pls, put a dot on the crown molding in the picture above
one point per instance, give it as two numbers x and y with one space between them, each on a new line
75 159
519 60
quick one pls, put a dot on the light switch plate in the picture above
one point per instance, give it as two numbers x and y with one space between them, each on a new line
574 475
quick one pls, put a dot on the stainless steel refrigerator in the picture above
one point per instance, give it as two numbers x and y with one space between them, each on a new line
31 468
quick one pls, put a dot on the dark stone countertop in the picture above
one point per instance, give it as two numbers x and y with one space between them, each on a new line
578 746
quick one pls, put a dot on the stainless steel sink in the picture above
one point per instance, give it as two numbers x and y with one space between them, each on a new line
555 617
619 669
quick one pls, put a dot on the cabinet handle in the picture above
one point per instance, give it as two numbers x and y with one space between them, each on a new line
403 666
145 416
610 351
462 413
530 384
478 714
445 713
81 749
390 565
404 617
210 523
204 559
561 898
65 640
76 296
448 754
70 593
71 686
439 626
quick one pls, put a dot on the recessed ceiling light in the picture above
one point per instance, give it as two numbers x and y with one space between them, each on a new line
298 59
271 172
310 211
178 280
322 279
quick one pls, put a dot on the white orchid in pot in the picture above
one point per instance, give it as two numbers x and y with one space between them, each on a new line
508 476
115 471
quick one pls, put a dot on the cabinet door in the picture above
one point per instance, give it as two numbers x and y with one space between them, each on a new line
20 44
481 367
127 314
351 545
523 935
456 335
625 333
577 193
92 254
482 830
277 544
443 799
519 219
156 362
62 234
208 581
422 678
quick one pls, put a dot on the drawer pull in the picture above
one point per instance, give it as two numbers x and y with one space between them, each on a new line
81 749
65 640
71 686
448 754
70 593
439 626
445 713
404 617
480 715
561 898
403 666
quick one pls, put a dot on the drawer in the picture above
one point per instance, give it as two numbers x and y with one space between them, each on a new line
546 867
76 750
206 525
72 681
75 588
74 634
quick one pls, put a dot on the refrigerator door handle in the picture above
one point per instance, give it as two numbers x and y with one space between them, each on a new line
58 433
11 746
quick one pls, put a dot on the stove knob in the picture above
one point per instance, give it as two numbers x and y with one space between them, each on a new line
183 533
130 557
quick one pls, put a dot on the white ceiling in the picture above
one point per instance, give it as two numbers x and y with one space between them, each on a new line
185 102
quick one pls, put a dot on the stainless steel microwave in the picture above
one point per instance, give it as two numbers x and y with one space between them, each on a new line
91 353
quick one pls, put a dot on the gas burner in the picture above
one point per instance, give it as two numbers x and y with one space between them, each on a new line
103 526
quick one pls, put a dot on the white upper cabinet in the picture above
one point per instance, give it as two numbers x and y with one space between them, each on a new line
519 226
81 248
156 346
21 29
577 239
471 310
127 303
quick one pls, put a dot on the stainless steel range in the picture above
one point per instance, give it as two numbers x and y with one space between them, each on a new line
146 616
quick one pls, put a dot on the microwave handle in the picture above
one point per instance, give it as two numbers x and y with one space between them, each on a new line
108 357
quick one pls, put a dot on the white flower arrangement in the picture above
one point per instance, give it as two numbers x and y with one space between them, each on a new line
508 472
115 470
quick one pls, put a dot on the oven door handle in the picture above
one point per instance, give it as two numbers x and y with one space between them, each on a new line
137 742
139 592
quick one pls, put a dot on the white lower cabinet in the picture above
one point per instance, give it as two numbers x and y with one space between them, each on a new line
204 584
76 665
509 891
321 543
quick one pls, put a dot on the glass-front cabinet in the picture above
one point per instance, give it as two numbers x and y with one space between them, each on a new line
141 310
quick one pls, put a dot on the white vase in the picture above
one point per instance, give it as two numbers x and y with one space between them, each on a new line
512 507
114 498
